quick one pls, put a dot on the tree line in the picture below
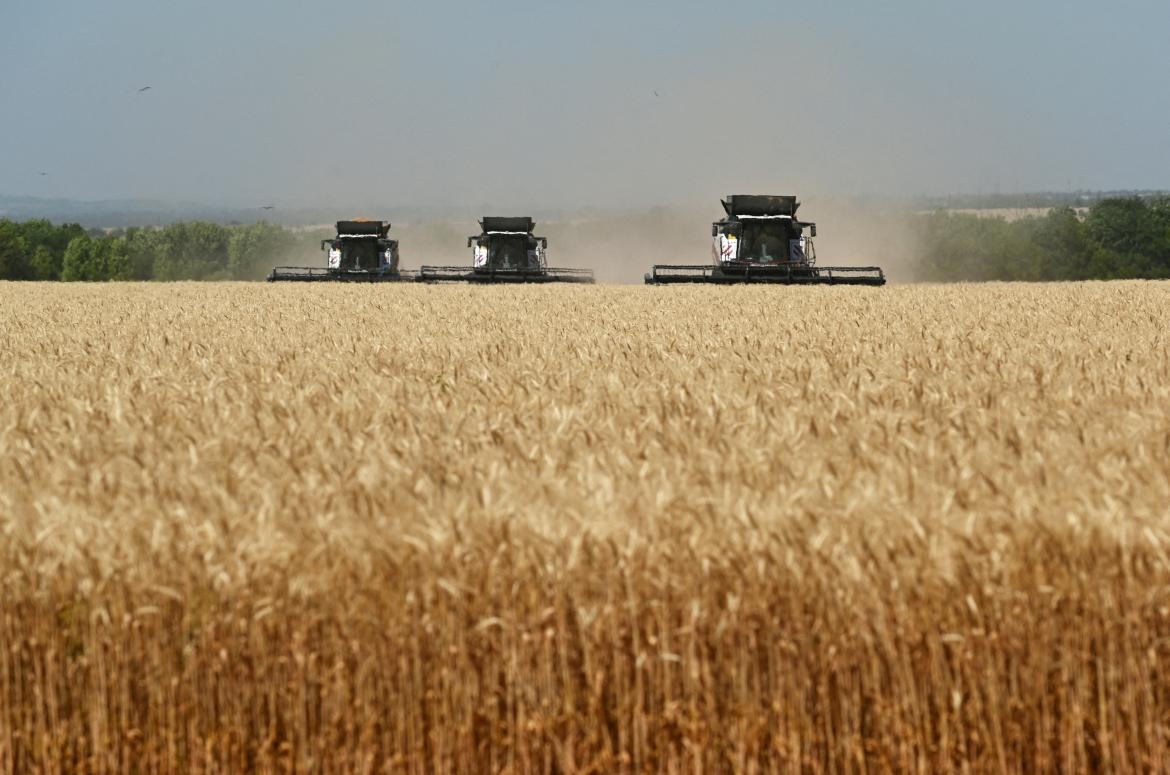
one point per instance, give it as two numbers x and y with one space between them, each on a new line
1123 237
40 250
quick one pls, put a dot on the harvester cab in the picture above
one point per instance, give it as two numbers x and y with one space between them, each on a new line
508 243
506 251
767 234
760 240
361 251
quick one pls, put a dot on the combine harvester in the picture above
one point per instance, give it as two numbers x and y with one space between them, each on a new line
361 252
760 241
506 251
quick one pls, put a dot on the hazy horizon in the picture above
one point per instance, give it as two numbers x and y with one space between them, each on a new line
531 105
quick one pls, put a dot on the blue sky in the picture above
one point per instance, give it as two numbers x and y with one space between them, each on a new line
553 104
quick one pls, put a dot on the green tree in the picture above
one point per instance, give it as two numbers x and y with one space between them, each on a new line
1063 245
78 262
144 248
1160 215
13 253
105 258
192 251
41 234
116 259
45 265
1125 225
254 249
1136 231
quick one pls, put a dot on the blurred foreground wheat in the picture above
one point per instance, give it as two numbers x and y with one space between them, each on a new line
584 529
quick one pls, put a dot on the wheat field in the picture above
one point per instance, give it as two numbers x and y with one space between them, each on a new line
584 529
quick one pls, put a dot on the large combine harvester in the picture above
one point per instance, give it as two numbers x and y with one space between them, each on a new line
761 241
362 251
506 251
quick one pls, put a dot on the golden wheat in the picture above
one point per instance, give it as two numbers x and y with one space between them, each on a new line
421 529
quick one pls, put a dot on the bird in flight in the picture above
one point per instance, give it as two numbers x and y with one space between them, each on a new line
144 88
43 174
656 93
268 207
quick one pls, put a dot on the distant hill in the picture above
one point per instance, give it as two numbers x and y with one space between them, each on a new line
118 213
123 213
